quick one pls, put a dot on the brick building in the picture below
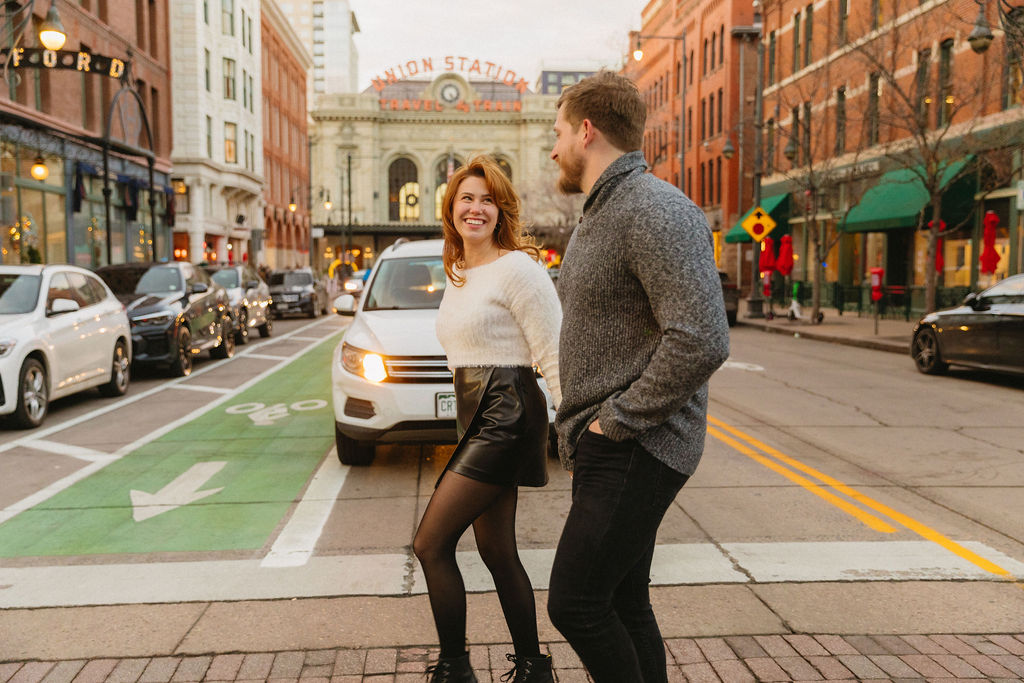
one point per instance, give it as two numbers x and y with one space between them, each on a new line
286 194
53 109
867 104
702 53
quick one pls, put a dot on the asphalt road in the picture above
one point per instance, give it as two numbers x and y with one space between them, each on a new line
825 465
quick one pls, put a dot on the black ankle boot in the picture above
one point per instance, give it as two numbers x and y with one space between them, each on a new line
452 670
529 669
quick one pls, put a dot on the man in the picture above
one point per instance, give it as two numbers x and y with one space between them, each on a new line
643 330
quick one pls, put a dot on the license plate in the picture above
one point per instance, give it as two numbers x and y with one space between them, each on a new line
289 297
444 405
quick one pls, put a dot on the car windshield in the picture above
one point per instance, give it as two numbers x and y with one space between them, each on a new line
291 279
1008 291
159 279
407 283
19 293
226 278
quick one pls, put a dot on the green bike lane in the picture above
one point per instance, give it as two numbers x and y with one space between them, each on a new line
221 482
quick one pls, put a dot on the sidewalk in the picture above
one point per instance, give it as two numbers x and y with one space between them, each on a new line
848 329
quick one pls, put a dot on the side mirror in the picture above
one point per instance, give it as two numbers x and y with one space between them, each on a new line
63 306
975 302
252 284
199 288
345 305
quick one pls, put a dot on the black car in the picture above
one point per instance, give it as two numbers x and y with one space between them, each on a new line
986 331
731 294
249 298
297 291
175 310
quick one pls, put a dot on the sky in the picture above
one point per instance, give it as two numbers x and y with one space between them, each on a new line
524 36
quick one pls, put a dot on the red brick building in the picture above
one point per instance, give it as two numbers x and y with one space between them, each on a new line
53 109
286 64
867 101
702 53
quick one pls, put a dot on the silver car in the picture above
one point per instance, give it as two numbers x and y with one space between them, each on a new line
249 298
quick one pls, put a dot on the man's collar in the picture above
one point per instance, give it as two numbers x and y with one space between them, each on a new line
629 161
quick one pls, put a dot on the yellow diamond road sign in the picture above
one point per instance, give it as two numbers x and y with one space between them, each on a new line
758 224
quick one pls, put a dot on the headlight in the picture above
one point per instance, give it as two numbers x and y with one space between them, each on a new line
363 363
6 346
351 286
153 319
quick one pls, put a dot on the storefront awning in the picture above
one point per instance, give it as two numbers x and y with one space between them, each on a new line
777 207
899 197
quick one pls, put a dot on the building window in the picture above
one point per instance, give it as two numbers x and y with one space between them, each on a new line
249 20
230 143
1013 83
771 58
703 119
711 115
840 146
874 83
691 67
711 181
808 34
703 185
714 40
206 69
229 79
721 45
794 134
241 25
689 182
805 147
403 191
442 171
704 66
689 126
947 101
245 90
227 17
718 180
252 93
206 12
769 154
209 137
796 42
922 93
844 16
719 113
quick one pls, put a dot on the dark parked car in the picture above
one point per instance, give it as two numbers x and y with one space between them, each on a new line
297 291
248 296
731 293
175 311
986 331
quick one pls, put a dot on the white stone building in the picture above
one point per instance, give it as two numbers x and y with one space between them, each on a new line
217 152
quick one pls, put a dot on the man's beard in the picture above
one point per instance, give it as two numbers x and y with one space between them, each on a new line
571 177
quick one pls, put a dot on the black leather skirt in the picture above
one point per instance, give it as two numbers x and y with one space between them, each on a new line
502 426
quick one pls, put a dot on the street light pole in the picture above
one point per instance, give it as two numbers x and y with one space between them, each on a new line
638 54
755 304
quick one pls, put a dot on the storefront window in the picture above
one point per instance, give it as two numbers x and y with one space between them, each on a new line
444 168
403 191
56 230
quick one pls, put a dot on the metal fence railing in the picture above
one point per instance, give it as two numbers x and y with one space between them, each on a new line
898 301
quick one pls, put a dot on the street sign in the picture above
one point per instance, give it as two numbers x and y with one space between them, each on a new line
758 224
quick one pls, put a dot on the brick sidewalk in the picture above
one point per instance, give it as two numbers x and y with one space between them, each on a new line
791 657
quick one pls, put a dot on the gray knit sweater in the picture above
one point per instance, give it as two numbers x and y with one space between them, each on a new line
643 324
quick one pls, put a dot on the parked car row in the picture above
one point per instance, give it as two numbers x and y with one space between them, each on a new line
65 329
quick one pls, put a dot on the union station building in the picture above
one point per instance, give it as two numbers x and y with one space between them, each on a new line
381 159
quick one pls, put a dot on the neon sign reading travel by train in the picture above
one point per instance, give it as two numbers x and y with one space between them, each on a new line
466 65
75 60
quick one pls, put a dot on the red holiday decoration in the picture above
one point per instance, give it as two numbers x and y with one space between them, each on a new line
767 262
940 245
784 262
989 256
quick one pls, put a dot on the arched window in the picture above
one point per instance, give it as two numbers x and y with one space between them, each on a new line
505 166
442 171
403 191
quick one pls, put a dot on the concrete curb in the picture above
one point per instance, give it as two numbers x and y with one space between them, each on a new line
808 332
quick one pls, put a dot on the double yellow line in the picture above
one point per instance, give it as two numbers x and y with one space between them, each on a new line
795 471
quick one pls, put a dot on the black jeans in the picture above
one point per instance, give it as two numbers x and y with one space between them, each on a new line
598 596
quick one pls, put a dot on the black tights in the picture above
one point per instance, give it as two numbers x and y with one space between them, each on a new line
457 503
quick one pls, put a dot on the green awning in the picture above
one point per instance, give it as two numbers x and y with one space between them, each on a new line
899 197
776 206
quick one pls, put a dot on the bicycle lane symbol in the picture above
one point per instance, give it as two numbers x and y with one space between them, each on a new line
263 415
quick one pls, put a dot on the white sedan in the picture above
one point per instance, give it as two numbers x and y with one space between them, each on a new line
61 332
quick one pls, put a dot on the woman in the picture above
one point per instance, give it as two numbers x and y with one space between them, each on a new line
499 314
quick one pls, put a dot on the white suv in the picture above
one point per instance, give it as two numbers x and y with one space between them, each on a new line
390 376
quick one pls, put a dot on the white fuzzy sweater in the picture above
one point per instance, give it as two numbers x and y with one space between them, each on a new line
506 313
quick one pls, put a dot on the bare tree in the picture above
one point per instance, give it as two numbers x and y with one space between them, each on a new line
927 113
550 215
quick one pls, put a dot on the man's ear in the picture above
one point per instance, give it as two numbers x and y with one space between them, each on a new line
589 132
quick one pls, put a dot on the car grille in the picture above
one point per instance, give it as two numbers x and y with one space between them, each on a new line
357 407
418 369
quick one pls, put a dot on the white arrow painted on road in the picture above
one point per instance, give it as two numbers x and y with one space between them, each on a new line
181 491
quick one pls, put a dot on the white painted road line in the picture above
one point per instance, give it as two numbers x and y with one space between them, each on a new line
79 452
200 387
399 574
262 356
296 542
62 484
